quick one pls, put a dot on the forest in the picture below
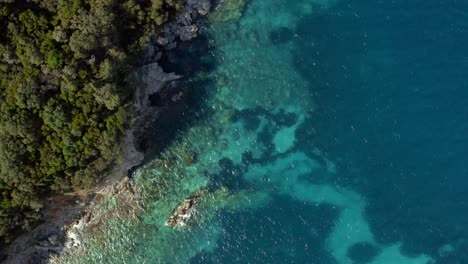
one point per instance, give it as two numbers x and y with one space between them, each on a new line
65 95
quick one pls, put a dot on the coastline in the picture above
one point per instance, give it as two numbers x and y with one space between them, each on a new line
261 141
65 215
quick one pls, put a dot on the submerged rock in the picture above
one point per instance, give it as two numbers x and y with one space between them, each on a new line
228 10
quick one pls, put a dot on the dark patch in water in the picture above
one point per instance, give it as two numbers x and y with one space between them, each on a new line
230 176
266 138
172 118
250 117
281 35
284 118
363 252
189 57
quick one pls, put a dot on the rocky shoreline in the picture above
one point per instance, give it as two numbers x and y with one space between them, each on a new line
66 214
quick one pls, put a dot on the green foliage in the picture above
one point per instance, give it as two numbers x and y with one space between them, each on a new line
64 95
54 59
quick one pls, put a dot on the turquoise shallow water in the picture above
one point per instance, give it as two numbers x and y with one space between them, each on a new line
325 131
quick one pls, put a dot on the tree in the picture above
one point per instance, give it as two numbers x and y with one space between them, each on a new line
54 59
108 96
55 115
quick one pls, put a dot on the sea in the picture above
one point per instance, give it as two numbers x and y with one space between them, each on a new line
321 131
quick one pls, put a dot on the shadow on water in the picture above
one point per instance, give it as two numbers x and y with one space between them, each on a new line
189 59
390 84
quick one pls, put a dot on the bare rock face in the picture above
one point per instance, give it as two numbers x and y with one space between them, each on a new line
150 79
201 6
188 32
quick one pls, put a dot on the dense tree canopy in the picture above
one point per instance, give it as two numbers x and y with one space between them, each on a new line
64 94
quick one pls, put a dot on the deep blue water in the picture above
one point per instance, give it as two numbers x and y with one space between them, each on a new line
389 79
400 125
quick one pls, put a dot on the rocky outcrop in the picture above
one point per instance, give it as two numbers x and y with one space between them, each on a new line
185 211
149 79
183 28
47 239
123 192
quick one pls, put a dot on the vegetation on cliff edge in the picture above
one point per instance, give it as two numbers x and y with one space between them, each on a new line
64 95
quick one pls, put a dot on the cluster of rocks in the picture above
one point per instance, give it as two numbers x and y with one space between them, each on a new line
183 28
